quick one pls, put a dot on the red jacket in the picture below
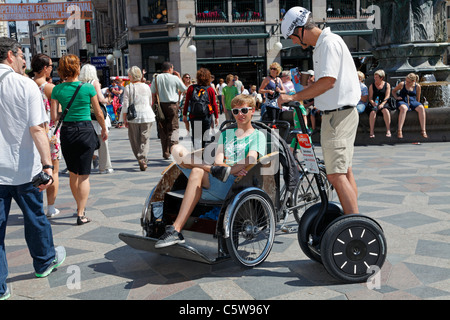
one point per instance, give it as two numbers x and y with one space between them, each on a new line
212 101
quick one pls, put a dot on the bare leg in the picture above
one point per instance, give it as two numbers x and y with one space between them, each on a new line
401 119
387 121
197 179
372 118
422 119
80 187
346 189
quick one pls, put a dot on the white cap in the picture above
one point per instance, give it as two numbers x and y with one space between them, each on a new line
295 17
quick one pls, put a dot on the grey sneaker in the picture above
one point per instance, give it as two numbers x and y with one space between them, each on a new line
169 238
95 162
220 173
107 171
6 295
60 256
52 213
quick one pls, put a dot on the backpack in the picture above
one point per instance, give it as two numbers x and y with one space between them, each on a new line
199 103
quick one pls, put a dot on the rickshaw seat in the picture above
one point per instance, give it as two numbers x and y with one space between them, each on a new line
179 194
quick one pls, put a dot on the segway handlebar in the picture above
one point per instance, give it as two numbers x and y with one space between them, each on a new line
317 176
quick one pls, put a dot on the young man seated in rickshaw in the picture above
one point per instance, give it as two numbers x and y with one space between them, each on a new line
236 149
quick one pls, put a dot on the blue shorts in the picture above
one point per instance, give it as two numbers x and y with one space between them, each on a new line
413 104
217 191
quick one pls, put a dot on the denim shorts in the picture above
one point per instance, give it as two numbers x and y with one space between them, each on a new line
217 191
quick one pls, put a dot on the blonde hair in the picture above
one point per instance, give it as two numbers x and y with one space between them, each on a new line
380 73
413 77
277 66
88 72
243 100
361 76
135 74
229 78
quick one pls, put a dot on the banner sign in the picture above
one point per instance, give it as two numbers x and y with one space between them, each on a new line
46 11
308 152
99 62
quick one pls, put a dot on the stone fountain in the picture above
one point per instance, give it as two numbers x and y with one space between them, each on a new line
413 38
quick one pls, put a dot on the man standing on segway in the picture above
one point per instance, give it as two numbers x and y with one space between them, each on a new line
336 93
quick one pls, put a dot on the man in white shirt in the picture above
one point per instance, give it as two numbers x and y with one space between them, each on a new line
25 153
336 93
168 84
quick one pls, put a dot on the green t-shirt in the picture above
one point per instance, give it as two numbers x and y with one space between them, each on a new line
81 106
229 93
236 150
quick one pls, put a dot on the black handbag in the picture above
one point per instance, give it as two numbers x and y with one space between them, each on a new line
104 111
159 114
131 113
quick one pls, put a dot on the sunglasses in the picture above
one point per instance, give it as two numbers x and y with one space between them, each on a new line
243 110
273 69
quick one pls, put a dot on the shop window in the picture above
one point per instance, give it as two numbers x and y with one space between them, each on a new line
285 5
341 9
227 48
211 10
247 10
152 12
153 56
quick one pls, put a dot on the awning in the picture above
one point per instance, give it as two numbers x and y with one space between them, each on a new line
154 40
344 33
229 60
231 36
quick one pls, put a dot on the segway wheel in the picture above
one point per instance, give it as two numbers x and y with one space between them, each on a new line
304 231
352 248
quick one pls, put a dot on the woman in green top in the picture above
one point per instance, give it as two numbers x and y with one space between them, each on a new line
78 137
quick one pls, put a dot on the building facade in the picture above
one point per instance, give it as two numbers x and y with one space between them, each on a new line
226 36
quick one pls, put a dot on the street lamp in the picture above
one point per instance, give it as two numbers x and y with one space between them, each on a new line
117 54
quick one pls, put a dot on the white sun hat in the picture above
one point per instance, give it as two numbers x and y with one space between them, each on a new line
295 17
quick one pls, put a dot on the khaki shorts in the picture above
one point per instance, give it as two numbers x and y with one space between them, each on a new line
338 135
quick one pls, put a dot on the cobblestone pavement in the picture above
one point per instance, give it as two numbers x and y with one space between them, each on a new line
405 187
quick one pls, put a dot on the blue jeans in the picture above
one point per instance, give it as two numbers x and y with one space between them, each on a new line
217 191
38 231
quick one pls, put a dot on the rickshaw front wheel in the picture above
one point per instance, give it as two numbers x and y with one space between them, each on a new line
251 226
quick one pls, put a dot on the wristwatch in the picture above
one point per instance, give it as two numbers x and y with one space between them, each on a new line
48 167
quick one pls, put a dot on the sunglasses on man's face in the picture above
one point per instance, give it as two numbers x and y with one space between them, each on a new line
244 110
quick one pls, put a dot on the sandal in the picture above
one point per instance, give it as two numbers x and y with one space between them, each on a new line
424 134
399 134
83 220
388 134
372 135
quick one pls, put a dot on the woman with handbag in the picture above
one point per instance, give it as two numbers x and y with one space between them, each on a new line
138 115
272 87
88 74
78 137
42 67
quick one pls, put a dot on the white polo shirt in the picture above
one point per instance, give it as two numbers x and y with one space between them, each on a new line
21 107
333 59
